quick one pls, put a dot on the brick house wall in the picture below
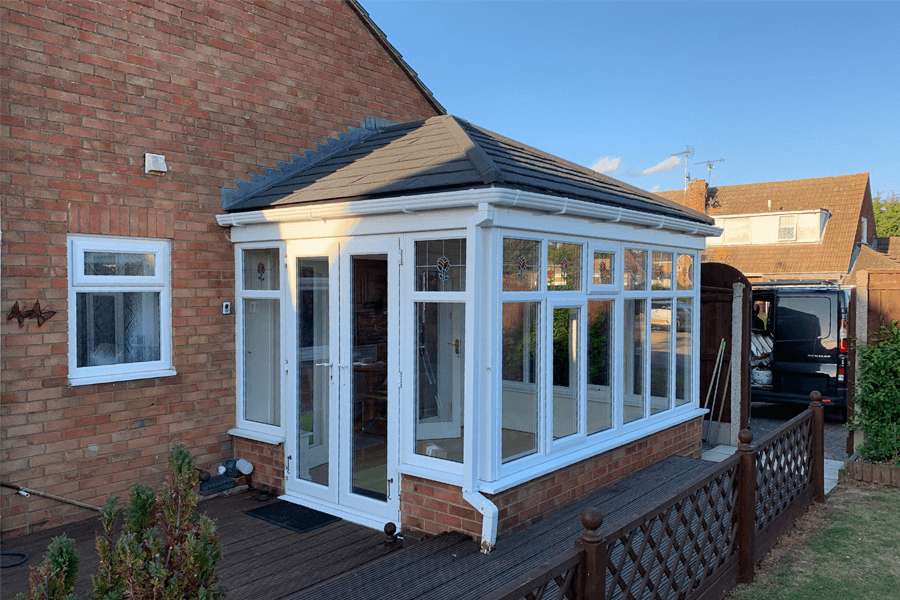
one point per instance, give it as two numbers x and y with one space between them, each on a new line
222 91
432 507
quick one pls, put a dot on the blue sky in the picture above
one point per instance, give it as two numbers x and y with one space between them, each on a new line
779 90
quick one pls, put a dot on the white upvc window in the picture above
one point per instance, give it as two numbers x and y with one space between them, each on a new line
259 320
120 316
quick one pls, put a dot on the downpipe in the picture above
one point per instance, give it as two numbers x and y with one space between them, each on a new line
489 514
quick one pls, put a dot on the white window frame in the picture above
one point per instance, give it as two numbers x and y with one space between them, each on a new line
253 429
617 275
159 282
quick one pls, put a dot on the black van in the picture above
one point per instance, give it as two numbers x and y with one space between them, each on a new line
799 343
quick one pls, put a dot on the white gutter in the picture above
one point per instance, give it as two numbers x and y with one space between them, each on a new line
467 198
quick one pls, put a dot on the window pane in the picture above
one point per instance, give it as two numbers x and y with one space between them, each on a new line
520 391
117 328
565 372
685 272
599 388
563 266
129 264
635 269
261 269
440 379
635 322
604 268
660 356
521 264
441 266
313 369
262 354
683 347
662 271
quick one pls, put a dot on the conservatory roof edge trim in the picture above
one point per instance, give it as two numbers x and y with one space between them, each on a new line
498 197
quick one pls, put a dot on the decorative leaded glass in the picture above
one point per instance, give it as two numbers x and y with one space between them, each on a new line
604 268
563 266
261 269
521 265
441 265
662 271
635 269
685 274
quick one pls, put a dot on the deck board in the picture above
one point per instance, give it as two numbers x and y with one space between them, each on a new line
348 561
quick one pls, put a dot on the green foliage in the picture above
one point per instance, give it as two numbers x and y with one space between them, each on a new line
55 578
877 397
887 214
165 552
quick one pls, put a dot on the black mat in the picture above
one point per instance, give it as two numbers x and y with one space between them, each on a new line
292 516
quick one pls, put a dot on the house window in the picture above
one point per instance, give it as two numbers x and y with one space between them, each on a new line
601 316
563 266
119 297
259 302
521 265
787 228
635 269
520 393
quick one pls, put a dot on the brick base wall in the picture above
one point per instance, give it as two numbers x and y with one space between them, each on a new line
267 459
433 507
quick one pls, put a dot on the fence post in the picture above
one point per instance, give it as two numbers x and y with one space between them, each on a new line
747 509
592 570
817 452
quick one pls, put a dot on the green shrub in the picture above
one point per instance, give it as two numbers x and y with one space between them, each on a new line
165 551
877 398
55 578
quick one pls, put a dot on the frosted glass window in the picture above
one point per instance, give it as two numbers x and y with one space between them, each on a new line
262 357
563 266
521 265
117 328
122 264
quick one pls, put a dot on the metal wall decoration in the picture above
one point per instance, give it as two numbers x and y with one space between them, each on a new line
35 312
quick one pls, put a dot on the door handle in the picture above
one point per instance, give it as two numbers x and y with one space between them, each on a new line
388 484
328 364
287 466
455 345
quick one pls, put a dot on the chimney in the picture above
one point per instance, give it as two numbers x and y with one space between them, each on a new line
695 196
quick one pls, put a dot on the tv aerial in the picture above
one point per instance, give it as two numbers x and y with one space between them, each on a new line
710 165
687 154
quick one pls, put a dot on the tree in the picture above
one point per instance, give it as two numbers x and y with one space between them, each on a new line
887 214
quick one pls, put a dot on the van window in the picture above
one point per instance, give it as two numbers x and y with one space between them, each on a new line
804 318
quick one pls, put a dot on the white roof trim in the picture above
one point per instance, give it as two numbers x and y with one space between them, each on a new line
466 198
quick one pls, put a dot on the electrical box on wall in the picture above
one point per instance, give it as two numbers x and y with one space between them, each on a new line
226 308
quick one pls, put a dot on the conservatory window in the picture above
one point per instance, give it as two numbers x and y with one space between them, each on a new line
563 266
521 265
520 365
566 367
601 316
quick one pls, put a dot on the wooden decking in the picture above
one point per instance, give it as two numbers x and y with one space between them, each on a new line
347 561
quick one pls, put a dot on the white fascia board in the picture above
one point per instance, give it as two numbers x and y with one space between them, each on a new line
468 198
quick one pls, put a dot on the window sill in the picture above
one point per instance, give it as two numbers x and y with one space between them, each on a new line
111 377
256 436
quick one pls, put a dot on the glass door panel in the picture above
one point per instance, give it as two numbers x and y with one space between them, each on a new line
369 368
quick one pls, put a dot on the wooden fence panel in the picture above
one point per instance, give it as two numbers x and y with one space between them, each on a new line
884 299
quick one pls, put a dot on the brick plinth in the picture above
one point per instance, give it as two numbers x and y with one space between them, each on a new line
267 459
433 508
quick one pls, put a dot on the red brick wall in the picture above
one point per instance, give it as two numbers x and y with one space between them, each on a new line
222 90
267 459
433 507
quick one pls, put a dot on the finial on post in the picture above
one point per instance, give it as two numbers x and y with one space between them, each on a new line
745 436
815 398
592 520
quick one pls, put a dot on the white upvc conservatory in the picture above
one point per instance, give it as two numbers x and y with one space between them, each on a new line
481 338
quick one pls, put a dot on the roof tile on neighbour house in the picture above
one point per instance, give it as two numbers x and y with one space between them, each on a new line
439 154
844 198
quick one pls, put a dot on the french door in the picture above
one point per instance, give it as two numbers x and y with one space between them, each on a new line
342 443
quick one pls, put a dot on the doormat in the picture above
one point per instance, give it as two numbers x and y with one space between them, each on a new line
292 516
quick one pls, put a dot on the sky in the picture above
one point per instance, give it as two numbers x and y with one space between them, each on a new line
778 90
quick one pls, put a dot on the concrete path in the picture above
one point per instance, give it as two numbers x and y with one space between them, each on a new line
720 453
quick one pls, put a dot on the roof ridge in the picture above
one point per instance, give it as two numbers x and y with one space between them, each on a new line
487 169
260 182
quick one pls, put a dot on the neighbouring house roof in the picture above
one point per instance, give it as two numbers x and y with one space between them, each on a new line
437 154
844 198
869 259
888 245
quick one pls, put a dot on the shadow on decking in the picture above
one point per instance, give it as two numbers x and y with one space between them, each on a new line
347 561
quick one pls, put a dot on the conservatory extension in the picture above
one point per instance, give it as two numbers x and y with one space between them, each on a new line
441 327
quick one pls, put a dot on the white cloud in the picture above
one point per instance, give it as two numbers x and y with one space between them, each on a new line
607 164
654 189
665 166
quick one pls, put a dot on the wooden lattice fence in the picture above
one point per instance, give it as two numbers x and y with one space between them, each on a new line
701 540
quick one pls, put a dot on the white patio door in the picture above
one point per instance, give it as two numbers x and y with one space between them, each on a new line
342 424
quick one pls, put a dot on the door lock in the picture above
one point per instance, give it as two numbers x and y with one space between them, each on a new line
455 345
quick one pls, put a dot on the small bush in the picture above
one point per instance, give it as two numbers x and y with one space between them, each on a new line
877 398
55 578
